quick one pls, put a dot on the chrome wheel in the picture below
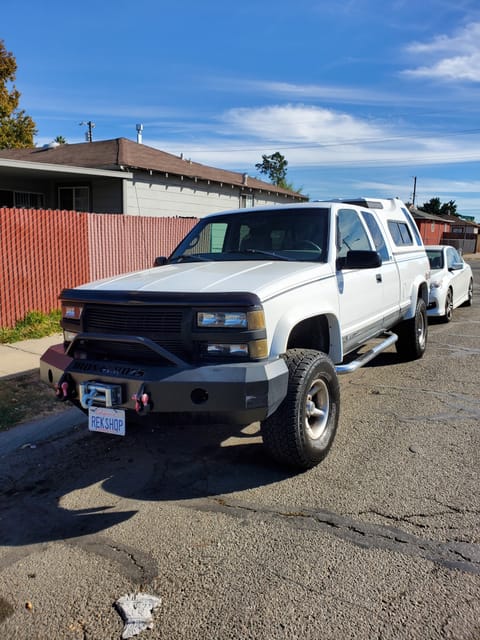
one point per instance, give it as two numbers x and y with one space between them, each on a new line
421 323
448 306
301 431
317 409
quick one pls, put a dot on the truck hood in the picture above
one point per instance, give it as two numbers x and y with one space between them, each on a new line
265 278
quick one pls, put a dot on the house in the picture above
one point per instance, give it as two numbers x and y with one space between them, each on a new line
126 177
431 227
447 229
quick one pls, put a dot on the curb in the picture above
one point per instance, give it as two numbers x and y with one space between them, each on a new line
40 430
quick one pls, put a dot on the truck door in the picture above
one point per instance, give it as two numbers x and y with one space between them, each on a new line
389 272
360 291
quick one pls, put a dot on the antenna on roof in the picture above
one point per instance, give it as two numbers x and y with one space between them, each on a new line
139 128
88 134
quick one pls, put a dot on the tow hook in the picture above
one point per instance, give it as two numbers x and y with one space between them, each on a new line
64 390
142 401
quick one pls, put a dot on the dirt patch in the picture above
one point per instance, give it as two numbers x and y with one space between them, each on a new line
24 398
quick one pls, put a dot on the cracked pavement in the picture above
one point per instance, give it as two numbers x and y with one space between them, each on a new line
380 541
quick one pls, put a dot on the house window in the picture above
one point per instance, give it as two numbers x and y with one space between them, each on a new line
27 200
246 201
21 199
74 198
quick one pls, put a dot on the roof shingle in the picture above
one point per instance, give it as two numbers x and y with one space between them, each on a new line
123 153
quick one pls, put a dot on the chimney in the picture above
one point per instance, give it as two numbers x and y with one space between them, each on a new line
139 133
245 179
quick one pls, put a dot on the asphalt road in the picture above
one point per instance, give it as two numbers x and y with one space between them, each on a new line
381 541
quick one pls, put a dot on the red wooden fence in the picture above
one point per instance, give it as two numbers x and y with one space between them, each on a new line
43 252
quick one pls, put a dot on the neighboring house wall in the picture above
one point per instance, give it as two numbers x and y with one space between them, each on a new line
464 242
158 195
44 252
432 231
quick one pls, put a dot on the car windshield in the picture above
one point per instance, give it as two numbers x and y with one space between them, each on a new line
299 234
435 257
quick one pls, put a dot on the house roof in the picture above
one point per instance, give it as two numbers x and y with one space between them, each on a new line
123 154
423 215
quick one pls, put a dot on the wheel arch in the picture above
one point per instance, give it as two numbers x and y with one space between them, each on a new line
419 292
319 332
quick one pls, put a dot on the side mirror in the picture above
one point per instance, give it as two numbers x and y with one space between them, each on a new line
456 266
160 261
362 260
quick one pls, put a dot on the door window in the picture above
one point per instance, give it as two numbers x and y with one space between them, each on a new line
351 234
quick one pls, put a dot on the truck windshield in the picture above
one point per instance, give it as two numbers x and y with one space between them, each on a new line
299 234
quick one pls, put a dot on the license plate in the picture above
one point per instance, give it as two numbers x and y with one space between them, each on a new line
107 420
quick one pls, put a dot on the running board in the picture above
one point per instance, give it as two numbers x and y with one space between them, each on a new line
390 339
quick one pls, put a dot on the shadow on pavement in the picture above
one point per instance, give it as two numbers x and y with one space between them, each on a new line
171 463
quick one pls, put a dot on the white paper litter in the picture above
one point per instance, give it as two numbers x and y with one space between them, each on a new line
136 610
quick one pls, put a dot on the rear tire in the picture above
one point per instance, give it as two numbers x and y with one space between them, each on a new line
301 431
412 334
448 306
469 301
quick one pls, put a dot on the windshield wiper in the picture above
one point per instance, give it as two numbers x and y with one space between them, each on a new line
261 252
194 257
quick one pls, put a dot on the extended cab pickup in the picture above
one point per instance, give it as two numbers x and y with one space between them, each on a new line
251 318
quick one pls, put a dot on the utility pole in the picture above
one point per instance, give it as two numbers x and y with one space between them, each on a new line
88 134
414 189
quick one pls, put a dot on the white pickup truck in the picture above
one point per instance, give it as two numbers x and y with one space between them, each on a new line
251 318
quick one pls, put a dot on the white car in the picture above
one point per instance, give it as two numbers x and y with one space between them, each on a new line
451 283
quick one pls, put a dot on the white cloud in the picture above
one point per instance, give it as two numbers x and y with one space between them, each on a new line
299 124
452 58
319 92
313 136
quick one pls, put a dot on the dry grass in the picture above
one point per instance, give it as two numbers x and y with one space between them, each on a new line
24 398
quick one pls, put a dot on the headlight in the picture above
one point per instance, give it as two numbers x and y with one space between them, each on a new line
232 334
254 349
436 284
69 336
71 311
220 319
227 349
231 320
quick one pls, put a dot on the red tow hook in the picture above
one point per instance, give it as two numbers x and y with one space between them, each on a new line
143 404
62 389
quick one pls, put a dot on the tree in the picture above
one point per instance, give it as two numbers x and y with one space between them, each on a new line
17 129
60 140
436 208
275 167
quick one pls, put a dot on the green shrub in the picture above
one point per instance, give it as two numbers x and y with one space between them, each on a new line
34 325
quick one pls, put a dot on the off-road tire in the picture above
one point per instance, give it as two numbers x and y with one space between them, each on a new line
301 431
413 333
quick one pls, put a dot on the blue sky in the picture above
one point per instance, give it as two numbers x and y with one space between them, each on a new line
360 96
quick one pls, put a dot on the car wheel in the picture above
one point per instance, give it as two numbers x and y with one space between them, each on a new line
469 301
448 306
413 333
301 431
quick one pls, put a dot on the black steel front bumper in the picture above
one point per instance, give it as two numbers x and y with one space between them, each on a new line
239 393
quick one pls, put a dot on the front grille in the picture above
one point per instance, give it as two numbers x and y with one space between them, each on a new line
133 320
167 327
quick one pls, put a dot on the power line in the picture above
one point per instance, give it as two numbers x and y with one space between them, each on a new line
353 141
